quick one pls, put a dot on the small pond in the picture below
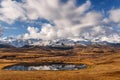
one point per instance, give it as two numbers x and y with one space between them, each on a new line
30 67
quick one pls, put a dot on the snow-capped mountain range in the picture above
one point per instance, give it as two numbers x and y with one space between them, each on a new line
58 42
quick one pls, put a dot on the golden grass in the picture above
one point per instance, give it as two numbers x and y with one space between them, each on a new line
101 68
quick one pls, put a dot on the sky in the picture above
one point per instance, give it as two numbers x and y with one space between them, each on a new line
56 19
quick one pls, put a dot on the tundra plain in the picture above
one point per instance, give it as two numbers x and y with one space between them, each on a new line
103 62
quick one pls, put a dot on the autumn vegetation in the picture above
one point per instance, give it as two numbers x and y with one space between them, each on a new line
103 62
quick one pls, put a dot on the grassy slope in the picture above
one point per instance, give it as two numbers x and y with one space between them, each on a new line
102 68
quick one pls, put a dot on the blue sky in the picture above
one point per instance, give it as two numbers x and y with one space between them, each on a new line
19 24
20 27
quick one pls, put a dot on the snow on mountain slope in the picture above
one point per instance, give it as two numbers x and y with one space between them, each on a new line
18 42
59 42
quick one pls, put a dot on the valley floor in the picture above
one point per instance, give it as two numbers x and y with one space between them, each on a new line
106 67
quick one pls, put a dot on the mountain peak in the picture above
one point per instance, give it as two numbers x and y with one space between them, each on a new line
58 42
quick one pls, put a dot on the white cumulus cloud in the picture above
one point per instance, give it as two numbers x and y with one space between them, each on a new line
114 15
69 20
